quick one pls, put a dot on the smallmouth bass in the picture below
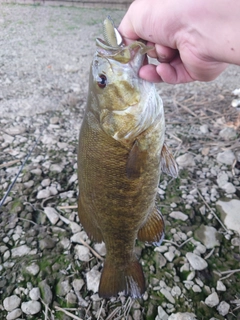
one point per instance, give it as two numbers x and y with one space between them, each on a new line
120 157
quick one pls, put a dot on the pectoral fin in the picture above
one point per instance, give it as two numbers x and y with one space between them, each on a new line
153 229
89 223
136 161
168 163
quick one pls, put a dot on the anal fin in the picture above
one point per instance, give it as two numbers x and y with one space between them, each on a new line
153 229
89 223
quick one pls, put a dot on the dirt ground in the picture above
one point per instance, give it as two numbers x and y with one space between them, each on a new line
45 55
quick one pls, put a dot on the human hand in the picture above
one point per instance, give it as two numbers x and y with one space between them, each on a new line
180 41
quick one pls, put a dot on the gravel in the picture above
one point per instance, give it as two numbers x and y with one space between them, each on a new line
48 266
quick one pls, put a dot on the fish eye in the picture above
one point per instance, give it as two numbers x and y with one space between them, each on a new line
102 81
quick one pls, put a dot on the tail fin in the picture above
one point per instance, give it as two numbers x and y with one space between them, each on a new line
128 279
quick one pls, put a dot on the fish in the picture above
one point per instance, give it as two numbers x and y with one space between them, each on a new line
121 154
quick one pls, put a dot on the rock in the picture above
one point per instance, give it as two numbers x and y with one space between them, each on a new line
52 214
228 133
212 300
229 188
71 298
11 303
63 287
208 236
196 261
17 129
223 308
31 307
77 284
230 213
167 295
204 128
226 157
186 160
100 248
222 178
16 313
34 293
93 279
46 292
56 168
82 252
182 316
162 315
196 288
178 215
43 194
47 243
20 251
33 269
176 291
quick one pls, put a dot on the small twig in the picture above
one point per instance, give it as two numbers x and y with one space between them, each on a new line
67 207
68 313
91 249
187 109
209 254
9 164
210 209
230 271
27 220
100 310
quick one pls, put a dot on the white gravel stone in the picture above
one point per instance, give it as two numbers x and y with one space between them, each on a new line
178 215
221 286
228 133
100 248
223 308
196 288
230 213
52 215
56 168
182 316
226 157
20 251
43 194
222 178
17 129
204 128
93 279
82 252
176 291
162 315
167 295
212 300
11 303
185 160
77 284
209 237
16 313
229 188
169 255
196 261
34 293
33 269
31 307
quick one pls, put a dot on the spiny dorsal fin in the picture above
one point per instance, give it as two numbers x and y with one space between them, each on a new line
111 34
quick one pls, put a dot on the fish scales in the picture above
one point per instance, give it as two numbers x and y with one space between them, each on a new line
121 145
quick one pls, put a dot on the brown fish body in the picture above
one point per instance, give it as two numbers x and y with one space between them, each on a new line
119 164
